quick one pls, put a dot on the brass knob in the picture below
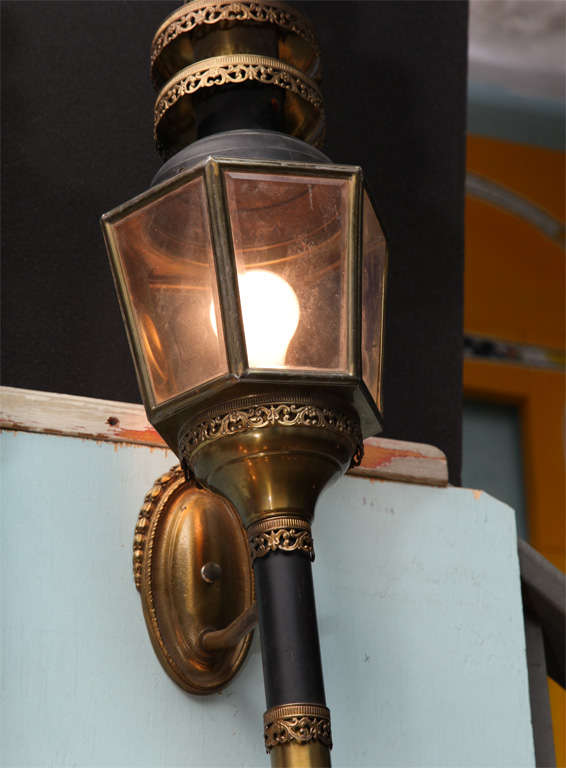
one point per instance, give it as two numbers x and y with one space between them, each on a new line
211 572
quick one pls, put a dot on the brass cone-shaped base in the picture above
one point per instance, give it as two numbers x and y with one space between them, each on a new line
272 458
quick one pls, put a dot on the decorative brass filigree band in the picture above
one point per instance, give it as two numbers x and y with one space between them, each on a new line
150 503
209 12
284 414
289 534
296 722
229 70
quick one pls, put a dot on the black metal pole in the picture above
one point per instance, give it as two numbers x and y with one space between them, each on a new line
297 721
292 669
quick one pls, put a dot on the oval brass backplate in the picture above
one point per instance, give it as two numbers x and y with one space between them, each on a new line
182 528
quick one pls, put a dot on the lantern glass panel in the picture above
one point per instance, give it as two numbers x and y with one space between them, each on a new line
290 236
166 258
373 277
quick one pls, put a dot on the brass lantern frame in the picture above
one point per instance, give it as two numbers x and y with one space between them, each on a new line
241 380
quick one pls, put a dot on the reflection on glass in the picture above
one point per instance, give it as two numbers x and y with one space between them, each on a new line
373 276
290 236
166 255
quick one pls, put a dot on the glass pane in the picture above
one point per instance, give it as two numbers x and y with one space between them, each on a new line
291 241
373 277
166 254
492 456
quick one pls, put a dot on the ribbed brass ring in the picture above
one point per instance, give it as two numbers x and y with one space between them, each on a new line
206 13
232 70
284 533
300 723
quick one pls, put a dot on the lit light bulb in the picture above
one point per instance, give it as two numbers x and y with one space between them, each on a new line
270 311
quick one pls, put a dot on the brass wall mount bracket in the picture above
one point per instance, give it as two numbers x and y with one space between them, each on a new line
299 723
192 569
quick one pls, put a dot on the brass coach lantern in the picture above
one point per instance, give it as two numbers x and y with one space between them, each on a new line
251 280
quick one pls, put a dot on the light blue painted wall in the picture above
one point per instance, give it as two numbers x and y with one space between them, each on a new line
419 610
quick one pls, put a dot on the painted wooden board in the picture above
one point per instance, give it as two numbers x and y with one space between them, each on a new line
418 602
406 462
106 420
28 410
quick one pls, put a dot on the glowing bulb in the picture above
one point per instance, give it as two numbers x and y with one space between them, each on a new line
270 310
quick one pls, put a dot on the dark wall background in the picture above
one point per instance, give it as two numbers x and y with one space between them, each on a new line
77 140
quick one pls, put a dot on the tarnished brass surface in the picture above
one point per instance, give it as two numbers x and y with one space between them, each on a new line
293 755
204 28
271 459
288 534
215 640
185 528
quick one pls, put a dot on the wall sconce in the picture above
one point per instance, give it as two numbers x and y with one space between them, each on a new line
251 280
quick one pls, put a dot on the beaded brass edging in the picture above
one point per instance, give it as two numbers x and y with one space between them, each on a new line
289 534
228 70
210 12
150 502
296 722
285 414
162 489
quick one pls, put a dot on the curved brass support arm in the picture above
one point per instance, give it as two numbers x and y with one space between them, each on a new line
216 640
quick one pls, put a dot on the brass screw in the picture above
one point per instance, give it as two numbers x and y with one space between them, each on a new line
211 572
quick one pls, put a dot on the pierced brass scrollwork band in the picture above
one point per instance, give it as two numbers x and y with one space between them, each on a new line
285 414
300 723
230 70
210 12
288 534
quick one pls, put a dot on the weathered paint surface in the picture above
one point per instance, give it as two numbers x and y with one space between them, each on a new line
408 462
30 411
419 610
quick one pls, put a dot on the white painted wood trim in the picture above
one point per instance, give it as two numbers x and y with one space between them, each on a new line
30 411
107 420
406 462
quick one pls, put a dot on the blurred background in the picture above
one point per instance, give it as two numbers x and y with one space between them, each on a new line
514 311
